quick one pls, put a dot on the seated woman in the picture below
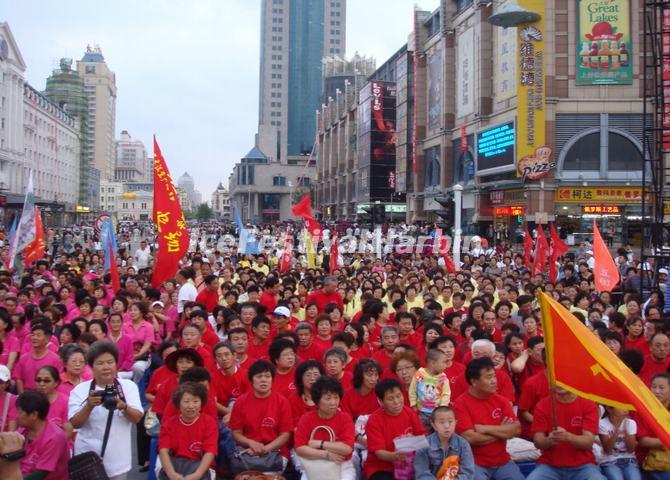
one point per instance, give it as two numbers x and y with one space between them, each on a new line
313 442
188 442
46 382
261 421
306 375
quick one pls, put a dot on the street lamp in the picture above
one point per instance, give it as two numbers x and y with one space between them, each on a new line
512 15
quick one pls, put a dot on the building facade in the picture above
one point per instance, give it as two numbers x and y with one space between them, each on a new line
110 192
263 192
132 165
295 36
187 184
100 90
221 203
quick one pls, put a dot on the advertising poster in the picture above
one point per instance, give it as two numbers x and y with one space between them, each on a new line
504 62
604 45
535 157
435 89
465 87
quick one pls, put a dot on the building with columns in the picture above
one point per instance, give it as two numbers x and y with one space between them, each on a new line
132 165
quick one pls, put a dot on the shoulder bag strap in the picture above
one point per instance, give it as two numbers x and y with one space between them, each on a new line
5 410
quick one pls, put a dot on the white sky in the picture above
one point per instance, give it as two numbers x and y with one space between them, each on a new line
186 70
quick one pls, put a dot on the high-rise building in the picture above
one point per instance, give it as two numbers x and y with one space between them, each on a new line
100 90
131 160
65 88
187 185
295 36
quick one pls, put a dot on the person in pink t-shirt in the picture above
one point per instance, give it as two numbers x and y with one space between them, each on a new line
7 421
123 343
40 356
141 333
10 343
47 380
75 369
46 447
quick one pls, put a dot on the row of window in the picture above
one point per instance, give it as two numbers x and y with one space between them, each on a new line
276 75
277 57
275 123
275 94
277 38
334 41
277 20
278 29
276 85
278 10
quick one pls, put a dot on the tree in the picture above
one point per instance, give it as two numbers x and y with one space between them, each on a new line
204 212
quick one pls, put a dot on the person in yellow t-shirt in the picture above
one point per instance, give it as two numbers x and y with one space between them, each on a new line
413 301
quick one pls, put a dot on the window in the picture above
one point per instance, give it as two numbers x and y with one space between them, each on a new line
623 155
90 69
432 172
279 181
584 154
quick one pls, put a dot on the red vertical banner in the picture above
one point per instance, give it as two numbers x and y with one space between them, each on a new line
527 248
605 272
37 248
173 236
334 253
464 139
287 254
541 252
113 267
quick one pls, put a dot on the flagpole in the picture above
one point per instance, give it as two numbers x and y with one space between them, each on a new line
549 356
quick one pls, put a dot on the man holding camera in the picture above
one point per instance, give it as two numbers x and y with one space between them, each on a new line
90 406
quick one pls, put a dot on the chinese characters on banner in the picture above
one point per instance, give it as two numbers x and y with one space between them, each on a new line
173 236
620 195
535 157
601 209
604 43
504 62
465 86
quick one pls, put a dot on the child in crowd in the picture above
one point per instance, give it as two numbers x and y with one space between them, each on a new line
430 387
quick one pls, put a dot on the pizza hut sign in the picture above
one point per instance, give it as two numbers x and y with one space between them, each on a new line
537 165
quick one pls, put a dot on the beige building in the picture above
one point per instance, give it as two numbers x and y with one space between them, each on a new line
132 165
110 192
100 89
221 202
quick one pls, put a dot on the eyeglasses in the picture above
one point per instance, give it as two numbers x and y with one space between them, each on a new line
42 380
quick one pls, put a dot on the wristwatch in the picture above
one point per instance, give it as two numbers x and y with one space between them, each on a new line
13 456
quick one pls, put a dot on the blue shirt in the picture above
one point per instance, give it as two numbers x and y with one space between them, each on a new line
429 460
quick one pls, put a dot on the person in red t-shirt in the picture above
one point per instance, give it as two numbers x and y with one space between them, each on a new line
282 356
448 345
648 440
529 363
260 341
281 320
486 420
239 339
191 337
390 340
307 349
328 294
270 295
324 332
191 434
229 381
261 420
209 296
306 374
313 440
198 375
566 441
361 398
334 361
162 373
534 390
209 336
394 420
177 362
658 359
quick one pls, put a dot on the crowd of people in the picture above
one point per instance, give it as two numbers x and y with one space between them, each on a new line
368 367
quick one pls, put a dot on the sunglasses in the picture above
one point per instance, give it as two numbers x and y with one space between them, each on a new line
43 380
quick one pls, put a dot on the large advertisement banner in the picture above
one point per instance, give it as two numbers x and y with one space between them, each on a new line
435 89
604 43
465 77
534 155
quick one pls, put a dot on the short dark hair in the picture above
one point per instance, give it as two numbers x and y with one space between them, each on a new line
256 322
633 359
32 401
194 388
222 345
195 374
440 409
323 385
344 337
365 365
536 340
100 323
261 366
278 346
475 367
386 385
300 371
100 348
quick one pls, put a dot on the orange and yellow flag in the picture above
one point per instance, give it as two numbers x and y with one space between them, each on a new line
578 361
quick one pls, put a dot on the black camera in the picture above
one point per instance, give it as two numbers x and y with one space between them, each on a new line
108 395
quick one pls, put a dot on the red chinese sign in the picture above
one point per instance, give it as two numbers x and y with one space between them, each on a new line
601 209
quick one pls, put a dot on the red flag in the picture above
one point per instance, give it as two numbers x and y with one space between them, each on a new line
605 274
558 249
303 208
541 252
334 253
442 245
287 255
173 236
37 248
113 267
579 362
527 248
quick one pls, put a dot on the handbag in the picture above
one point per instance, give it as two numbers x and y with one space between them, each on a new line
89 465
183 466
152 424
253 475
404 469
657 461
320 469
242 462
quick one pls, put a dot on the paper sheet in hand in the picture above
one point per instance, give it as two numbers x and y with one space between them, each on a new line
410 444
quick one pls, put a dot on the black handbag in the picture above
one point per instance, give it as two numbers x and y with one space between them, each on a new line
88 465
270 462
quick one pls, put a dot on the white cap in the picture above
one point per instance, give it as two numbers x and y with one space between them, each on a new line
5 374
282 311
663 271
159 303
588 252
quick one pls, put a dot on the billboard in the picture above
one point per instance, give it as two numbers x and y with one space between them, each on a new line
604 44
377 140
435 89
495 148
